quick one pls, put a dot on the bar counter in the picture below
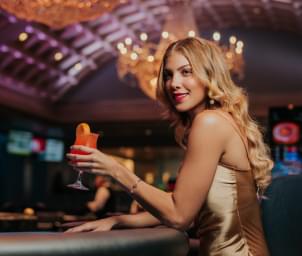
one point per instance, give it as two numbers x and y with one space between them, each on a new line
127 242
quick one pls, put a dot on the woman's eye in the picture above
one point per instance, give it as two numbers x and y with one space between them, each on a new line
167 76
186 71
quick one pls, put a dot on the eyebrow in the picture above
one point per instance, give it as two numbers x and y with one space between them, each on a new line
179 68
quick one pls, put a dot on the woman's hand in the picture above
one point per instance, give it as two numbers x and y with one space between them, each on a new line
92 161
94 226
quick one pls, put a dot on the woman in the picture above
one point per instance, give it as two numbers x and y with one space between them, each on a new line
226 159
103 199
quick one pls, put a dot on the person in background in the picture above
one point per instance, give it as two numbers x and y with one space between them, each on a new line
226 161
103 195
135 207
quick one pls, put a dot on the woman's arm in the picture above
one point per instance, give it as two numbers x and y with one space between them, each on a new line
139 220
206 144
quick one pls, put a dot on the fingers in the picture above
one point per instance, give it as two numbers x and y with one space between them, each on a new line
81 228
98 230
82 161
83 148
79 157
102 228
94 226
92 162
86 165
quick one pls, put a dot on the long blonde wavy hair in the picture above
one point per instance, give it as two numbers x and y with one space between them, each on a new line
209 67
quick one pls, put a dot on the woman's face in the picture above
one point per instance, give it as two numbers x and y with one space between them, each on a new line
186 93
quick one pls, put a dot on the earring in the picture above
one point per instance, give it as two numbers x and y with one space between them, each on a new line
210 95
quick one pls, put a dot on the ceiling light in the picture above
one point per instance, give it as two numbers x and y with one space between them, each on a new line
58 56
58 13
140 59
23 37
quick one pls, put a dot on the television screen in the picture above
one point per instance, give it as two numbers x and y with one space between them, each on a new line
286 133
285 140
19 142
54 151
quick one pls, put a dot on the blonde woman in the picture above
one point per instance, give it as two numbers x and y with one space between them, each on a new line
226 160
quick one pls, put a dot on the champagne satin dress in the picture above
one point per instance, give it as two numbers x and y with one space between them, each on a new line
229 224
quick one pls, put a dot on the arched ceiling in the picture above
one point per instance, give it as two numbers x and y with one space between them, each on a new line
32 80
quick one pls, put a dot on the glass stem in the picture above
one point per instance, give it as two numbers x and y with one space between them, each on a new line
79 179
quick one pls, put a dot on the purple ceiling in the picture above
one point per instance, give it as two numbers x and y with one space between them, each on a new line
29 69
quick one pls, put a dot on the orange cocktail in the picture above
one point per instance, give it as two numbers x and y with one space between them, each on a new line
84 138
88 140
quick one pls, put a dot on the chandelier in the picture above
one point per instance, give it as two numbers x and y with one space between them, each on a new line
58 13
139 59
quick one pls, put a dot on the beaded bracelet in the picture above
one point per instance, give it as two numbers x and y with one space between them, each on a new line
134 186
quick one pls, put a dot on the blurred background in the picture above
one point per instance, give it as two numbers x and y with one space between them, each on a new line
66 62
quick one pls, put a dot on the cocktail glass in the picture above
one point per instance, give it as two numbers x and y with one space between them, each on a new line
88 140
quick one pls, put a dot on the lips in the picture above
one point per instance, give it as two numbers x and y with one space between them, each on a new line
179 97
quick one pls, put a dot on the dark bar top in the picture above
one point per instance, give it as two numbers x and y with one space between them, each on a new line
127 242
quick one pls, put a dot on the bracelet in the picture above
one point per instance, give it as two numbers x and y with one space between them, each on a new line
134 186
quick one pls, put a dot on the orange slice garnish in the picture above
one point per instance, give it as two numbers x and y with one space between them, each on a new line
82 129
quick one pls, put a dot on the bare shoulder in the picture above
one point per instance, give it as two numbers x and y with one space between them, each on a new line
209 119
209 134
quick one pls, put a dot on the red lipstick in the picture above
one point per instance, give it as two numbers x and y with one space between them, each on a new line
179 97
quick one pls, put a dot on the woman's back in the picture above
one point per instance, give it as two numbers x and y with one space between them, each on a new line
229 222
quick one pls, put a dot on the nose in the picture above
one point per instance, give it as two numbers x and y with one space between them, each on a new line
176 82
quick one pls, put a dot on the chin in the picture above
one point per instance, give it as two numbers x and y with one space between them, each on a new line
182 109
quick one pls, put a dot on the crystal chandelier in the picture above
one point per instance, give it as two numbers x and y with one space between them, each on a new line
58 13
139 59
